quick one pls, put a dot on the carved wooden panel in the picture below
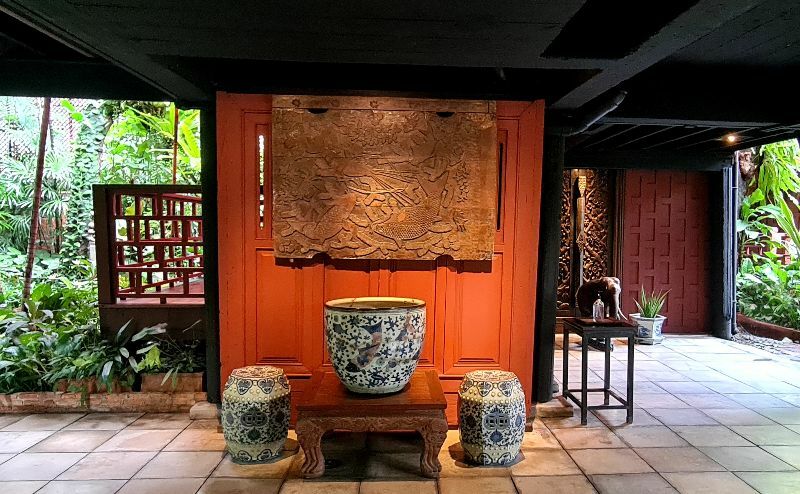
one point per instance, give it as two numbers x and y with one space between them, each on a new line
383 178
597 225
564 292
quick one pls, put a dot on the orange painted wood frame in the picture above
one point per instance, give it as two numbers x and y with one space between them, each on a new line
480 313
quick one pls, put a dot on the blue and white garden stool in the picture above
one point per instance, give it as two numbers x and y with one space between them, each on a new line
491 417
255 413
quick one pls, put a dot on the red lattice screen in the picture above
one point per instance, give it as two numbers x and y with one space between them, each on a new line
665 244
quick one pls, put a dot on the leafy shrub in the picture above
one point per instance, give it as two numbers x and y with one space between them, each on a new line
769 291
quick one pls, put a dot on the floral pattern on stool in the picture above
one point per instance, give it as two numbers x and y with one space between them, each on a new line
491 417
255 413
375 342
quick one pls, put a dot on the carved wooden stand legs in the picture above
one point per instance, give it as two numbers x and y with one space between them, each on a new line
432 427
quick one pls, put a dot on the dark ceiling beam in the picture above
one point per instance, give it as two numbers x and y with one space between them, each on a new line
64 22
656 160
89 79
698 21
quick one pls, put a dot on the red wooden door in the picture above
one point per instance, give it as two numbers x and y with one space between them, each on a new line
480 315
665 244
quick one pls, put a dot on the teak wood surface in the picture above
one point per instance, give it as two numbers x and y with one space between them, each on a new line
420 407
480 314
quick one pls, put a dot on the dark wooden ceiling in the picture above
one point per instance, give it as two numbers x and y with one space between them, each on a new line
693 69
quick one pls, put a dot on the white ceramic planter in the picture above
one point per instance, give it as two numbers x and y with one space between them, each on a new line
649 330
374 342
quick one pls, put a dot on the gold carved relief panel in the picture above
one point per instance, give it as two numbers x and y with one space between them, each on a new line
384 178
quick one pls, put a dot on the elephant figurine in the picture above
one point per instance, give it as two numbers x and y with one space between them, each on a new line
609 290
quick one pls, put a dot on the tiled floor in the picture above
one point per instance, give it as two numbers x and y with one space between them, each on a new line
696 430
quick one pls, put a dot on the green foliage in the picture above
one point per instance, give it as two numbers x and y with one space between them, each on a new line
176 357
79 212
127 354
650 305
769 291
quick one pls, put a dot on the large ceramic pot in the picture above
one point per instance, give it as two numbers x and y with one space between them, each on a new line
255 413
649 329
374 342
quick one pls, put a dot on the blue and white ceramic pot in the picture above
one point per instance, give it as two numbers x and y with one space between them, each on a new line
255 413
375 342
491 417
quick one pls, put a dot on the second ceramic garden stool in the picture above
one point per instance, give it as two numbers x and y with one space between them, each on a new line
491 417
255 413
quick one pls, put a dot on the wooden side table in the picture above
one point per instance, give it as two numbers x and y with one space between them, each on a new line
420 407
603 329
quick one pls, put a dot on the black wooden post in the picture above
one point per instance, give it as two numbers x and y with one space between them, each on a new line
546 299
208 181
722 246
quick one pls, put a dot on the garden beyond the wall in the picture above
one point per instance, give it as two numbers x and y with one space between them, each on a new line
768 281
50 340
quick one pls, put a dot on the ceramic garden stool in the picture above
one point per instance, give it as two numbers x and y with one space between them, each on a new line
255 413
491 417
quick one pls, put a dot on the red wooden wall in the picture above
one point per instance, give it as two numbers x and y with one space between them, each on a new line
480 314
665 244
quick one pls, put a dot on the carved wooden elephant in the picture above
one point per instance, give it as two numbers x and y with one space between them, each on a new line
608 288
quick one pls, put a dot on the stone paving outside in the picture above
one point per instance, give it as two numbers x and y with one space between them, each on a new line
712 416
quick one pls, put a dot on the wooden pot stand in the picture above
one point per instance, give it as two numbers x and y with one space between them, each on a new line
420 407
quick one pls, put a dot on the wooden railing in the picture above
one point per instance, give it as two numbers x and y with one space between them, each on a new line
149 243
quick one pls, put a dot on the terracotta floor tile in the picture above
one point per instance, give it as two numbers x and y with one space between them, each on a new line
162 486
481 485
275 469
730 387
37 466
789 454
212 424
139 440
681 416
197 440
104 421
587 437
566 484
16 442
297 486
708 483
82 487
545 462
7 419
785 416
540 437
737 416
574 421
162 421
686 387
454 465
651 437
710 435
758 400
658 400
609 461
44 422
768 435
712 400
72 442
678 460
773 482
616 418
393 465
745 459
188 464
21 487
398 487
644 483
775 386
102 466
240 486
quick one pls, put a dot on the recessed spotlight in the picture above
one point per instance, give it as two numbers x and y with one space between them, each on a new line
731 138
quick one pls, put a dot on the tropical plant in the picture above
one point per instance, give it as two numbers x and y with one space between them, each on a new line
769 291
174 357
650 305
128 354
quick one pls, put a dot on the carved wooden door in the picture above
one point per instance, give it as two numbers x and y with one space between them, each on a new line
480 314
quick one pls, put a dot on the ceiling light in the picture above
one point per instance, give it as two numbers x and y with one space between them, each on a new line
731 138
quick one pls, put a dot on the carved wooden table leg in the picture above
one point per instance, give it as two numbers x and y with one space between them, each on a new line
433 433
309 435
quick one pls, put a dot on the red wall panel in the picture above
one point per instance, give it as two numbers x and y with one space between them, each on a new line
665 244
480 314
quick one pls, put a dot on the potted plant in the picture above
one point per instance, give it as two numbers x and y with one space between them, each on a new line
649 319
179 362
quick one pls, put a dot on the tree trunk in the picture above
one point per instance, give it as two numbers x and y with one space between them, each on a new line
37 198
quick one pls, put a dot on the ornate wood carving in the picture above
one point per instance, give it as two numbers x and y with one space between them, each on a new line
564 258
384 178
597 225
